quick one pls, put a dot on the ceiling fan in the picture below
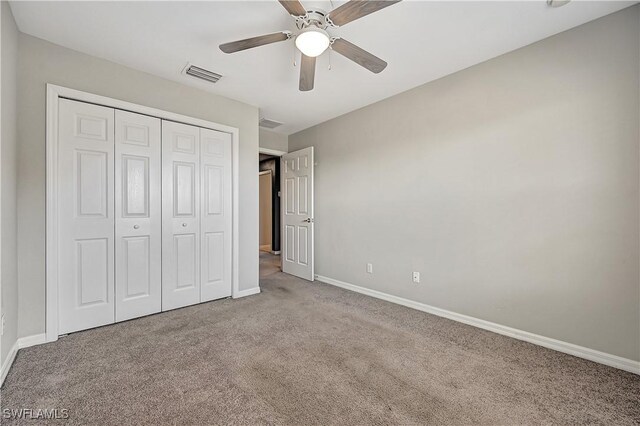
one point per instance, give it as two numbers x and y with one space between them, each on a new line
313 38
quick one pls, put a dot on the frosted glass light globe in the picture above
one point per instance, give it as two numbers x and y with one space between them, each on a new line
313 41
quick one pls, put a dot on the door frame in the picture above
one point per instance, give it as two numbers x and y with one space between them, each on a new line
279 154
260 173
270 151
54 93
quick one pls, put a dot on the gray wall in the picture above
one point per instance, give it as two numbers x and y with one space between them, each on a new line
41 62
8 267
273 140
512 187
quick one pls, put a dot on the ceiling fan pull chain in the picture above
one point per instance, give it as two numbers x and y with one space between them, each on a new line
294 55
330 49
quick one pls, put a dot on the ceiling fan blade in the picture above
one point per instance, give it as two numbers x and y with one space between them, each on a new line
294 7
358 55
356 9
307 73
248 43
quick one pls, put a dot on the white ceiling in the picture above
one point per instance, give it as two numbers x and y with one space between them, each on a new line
421 41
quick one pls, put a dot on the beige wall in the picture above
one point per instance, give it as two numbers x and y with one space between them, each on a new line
512 187
273 140
265 209
41 62
8 266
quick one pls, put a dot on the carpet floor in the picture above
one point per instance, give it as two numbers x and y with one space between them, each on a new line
309 353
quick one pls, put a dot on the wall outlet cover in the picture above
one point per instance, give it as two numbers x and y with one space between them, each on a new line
416 277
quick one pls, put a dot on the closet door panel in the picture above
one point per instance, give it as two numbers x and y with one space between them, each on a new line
180 215
215 278
138 215
86 216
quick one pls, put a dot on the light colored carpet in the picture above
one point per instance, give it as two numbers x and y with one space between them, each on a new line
309 353
269 265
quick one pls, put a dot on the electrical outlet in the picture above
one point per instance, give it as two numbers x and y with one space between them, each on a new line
416 277
369 268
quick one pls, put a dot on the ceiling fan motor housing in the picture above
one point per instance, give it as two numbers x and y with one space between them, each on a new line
314 17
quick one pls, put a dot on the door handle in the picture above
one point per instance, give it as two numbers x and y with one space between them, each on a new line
308 220
136 226
184 225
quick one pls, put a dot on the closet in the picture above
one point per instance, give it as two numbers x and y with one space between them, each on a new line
144 216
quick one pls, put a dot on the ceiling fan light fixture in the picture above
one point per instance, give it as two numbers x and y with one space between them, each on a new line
312 41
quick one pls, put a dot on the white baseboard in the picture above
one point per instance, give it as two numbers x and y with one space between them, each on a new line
36 339
245 293
24 342
558 345
6 365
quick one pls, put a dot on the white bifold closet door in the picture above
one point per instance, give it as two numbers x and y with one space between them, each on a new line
109 216
180 215
86 216
215 210
144 215
138 215
196 209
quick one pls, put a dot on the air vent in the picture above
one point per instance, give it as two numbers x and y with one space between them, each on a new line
202 74
557 3
269 124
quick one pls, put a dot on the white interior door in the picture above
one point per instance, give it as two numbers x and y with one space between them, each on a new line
180 215
138 215
86 216
215 218
297 213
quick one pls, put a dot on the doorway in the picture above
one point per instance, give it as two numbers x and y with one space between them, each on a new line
266 211
269 212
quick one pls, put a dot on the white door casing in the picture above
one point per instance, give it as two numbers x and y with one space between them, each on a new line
138 215
59 172
86 216
180 215
297 213
215 215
